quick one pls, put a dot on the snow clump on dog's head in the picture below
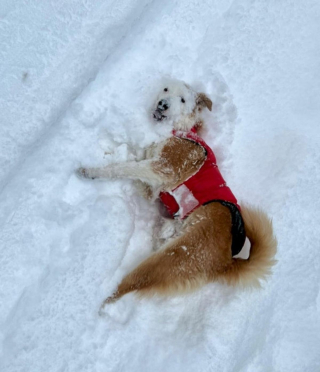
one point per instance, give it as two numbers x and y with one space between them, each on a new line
178 103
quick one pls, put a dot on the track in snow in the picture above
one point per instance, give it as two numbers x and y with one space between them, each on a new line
77 78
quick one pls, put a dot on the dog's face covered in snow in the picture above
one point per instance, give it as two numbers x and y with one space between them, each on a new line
179 103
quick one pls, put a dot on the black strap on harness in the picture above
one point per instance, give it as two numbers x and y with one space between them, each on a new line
237 227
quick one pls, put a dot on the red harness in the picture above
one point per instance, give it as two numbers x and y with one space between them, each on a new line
206 185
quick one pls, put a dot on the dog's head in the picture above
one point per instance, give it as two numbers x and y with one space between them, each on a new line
179 103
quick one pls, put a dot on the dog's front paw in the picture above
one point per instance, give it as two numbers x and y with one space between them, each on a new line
84 173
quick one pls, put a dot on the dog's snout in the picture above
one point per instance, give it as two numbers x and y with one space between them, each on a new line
163 105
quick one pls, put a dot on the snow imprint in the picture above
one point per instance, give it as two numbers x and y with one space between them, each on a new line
78 79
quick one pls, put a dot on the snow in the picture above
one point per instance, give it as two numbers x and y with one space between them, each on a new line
78 79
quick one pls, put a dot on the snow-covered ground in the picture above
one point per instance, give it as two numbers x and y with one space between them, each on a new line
77 80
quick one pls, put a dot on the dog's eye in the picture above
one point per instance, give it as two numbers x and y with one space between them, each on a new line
165 89
182 100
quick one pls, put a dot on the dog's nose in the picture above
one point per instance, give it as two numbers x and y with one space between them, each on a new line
163 105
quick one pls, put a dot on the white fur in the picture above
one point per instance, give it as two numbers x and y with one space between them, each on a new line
141 170
179 114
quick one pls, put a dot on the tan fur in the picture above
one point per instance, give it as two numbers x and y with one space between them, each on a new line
202 254
199 255
179 159
204 100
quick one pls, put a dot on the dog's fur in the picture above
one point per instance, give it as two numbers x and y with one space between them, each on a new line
200 252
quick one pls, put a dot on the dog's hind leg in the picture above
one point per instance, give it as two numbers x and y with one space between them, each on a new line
185 264
199 255
178 268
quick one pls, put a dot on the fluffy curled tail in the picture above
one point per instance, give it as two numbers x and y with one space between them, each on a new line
263 249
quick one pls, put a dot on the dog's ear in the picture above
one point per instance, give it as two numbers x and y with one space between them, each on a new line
204 100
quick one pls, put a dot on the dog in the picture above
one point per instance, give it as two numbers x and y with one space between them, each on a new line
208 226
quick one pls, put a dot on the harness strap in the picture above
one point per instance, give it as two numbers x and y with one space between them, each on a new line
237 226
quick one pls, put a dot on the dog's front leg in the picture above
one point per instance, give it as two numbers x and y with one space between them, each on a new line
141 170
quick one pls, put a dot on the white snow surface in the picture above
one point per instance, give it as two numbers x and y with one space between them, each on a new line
78 78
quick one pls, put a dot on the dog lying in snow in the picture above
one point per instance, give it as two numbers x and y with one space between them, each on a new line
212 227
